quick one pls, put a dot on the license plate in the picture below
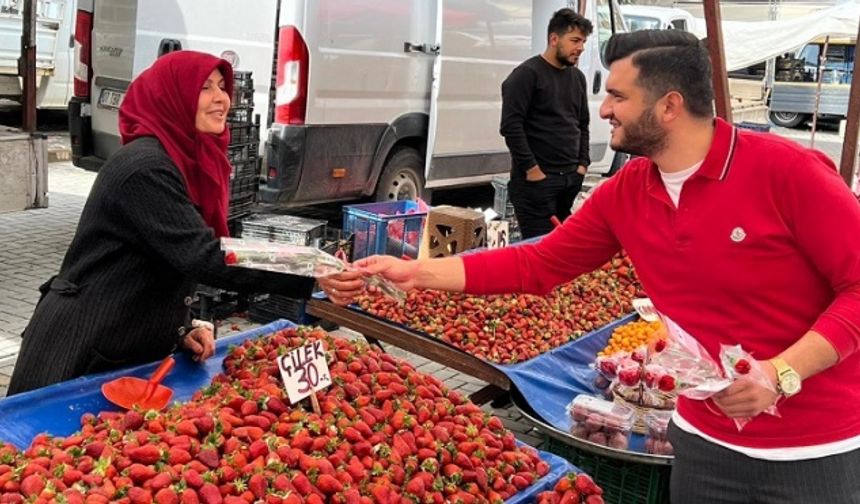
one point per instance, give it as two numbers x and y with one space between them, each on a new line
110 98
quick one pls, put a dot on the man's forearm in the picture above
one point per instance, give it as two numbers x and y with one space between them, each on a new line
446 274
810 355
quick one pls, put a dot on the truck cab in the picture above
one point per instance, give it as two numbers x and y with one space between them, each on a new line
795 86
650 17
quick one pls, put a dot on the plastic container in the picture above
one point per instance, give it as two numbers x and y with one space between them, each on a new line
601 422
656 441
388 228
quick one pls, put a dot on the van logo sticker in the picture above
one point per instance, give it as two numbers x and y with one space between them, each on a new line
114 52
738 234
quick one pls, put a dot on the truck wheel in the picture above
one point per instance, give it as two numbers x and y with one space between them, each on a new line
402 177
788 119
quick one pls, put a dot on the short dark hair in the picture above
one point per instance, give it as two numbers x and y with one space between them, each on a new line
564 20
668 60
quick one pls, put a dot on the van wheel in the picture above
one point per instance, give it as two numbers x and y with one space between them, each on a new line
788 119
620 159
402 177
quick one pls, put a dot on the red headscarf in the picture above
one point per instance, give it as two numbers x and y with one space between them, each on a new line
162 103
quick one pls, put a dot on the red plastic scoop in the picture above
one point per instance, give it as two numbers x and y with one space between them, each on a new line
129 391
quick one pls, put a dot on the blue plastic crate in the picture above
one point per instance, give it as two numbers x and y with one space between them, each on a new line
387 228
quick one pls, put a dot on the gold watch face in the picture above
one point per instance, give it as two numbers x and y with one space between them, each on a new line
789 383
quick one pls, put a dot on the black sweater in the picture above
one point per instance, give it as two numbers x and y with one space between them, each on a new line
140 248
545 116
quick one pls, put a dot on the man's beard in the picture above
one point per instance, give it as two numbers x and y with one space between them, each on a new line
644 137
563 59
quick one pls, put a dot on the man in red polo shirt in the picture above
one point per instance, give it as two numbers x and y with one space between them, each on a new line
741 238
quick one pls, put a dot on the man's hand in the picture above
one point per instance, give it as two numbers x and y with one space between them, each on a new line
200 342
744 398
343 288
582 169
535 174
402 273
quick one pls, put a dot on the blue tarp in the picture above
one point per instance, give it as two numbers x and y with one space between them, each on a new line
550 381
57 409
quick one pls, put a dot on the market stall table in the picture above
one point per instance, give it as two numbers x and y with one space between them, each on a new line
57 409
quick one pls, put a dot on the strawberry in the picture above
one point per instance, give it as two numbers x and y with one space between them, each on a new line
189 496
166 496
193 478
258 485
148 454
133 420
742 366
159 481
328 484
209 494
258 448
178 456
140 473
187 428
666 383
32 485
594 499
416 487
138 495
95 449
209 457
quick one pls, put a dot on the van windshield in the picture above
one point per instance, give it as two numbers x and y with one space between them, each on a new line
635 23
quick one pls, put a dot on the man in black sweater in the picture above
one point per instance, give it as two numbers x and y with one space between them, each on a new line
545 125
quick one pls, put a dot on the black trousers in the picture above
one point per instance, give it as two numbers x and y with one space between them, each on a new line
707 473
535 202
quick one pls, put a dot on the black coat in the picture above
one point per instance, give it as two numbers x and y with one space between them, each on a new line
140 249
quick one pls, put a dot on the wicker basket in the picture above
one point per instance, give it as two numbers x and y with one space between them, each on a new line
666 400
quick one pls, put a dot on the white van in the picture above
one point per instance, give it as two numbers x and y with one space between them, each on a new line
115 40
54 55
382 98
651 17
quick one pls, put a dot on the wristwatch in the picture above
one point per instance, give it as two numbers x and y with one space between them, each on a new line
787 379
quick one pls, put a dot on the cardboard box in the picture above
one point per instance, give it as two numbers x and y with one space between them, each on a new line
451 230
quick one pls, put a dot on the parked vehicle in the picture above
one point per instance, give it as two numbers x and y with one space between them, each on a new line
650 17
54 55
115 40
372 98
793 97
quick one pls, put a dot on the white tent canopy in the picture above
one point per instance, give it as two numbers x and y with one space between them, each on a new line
750 42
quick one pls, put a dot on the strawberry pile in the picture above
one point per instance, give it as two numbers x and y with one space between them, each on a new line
513 328
573 489
386 433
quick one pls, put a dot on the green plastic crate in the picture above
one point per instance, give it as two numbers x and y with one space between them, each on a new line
622 482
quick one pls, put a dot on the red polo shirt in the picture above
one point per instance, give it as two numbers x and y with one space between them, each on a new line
764 246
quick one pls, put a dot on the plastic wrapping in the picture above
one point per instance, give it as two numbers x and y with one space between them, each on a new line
296 260
656 441
601 422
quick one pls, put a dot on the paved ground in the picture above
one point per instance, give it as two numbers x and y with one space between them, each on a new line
33 243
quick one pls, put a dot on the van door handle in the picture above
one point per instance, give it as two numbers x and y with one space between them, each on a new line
168 46
595 85
410 47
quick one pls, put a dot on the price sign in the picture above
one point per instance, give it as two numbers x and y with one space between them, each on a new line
497 234
304 371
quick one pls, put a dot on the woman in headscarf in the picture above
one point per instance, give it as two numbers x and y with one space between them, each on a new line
148 234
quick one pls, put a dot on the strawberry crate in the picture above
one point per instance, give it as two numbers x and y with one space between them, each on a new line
623 482
387 228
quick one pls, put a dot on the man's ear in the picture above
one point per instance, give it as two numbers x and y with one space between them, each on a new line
552 41
671 106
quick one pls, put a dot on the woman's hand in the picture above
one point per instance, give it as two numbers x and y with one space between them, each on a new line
200 342
344 287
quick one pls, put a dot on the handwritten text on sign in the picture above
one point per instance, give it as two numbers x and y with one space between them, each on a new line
304 371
